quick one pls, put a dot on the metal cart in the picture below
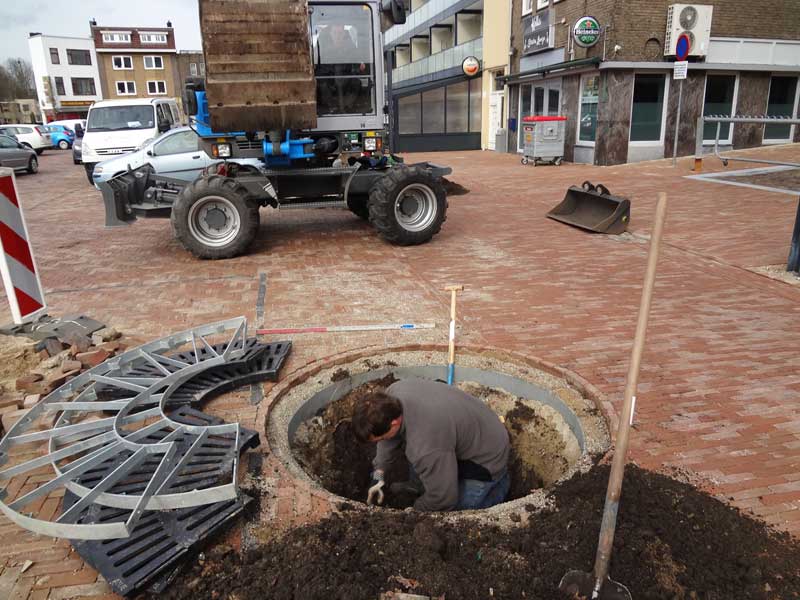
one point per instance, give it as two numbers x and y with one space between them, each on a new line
543 139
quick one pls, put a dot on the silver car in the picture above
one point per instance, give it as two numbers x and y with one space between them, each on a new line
16 156
175 153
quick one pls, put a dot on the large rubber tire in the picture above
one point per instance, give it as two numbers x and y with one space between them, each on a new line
407 206
33 165
359 206
228 204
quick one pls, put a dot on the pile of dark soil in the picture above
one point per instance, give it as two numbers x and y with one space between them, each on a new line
673 542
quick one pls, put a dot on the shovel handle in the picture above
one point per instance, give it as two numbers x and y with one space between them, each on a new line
608 527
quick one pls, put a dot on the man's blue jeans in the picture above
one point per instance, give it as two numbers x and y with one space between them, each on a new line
473 494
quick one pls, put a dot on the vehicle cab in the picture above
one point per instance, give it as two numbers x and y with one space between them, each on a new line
115 127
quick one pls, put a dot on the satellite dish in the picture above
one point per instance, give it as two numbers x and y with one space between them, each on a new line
688 17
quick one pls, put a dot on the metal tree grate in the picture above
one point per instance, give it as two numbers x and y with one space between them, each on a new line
161 539
107 437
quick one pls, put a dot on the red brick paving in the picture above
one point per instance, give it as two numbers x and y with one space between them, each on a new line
719 389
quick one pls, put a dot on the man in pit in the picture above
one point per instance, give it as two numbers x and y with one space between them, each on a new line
456 446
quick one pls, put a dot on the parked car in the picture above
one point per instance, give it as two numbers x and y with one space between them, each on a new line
77 147
16 156
61 136
173 154
116 127
33 136
70 124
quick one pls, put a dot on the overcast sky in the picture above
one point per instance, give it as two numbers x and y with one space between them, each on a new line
71 18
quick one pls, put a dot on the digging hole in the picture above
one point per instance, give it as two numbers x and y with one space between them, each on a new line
543 445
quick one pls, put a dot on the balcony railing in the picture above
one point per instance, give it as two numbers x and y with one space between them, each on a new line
423 14
441 61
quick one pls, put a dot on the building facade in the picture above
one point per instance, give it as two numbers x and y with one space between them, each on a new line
608 66
445 61
20 111
66 75
137 62
188 63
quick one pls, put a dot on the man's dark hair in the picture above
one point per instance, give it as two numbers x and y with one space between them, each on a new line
373 417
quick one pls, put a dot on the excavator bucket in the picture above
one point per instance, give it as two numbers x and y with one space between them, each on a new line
259 74
593 208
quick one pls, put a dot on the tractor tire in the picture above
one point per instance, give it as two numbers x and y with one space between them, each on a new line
213 218
359 206
407 206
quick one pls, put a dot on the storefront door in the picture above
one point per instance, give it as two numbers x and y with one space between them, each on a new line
538 99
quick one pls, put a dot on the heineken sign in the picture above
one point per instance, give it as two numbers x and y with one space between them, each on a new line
587 32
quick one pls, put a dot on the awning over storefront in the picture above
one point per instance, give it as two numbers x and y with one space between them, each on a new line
541 71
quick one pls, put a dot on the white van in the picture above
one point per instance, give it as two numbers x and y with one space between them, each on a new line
115 127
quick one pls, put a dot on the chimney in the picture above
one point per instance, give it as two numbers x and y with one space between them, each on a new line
93 22
169 24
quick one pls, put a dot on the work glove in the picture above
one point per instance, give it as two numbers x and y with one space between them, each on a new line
375 493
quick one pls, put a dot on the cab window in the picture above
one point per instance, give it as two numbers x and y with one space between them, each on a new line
343 59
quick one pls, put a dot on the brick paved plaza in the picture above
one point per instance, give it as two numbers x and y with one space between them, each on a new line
719 391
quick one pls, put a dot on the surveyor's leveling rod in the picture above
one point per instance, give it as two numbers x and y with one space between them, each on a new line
343 328
451 367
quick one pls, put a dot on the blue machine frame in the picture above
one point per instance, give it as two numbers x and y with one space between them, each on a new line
276 154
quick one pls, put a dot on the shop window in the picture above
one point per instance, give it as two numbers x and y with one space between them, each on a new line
475 104
719 100
433 111
647 114
590 98
781 103
410 115
458 107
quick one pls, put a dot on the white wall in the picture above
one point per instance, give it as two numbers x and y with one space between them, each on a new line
403 56
42 67
469 27
420 48
441 39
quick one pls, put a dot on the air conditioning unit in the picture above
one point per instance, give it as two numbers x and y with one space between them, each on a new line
694 20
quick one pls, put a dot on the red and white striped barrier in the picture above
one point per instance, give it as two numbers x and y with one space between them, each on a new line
18 268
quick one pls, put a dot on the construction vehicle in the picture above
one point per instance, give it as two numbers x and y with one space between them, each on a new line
299 84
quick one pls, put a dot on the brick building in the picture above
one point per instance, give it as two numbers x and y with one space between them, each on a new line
137 62
188 63
613 77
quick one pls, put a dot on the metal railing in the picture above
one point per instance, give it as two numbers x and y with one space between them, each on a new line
722 119
416 18
446 59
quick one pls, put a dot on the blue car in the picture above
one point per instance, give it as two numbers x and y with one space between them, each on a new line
63 137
